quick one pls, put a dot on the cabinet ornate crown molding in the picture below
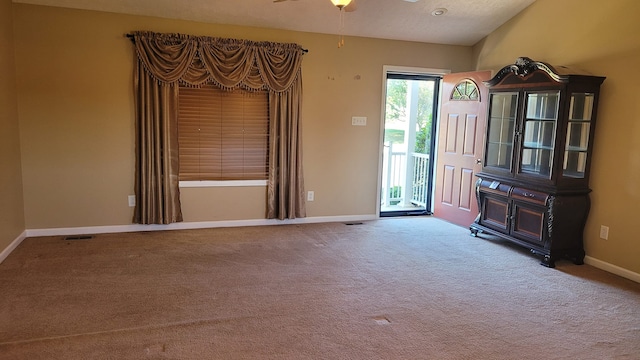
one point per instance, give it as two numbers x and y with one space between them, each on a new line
523 67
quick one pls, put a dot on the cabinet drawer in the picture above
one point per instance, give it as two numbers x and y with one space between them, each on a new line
529 196
494 187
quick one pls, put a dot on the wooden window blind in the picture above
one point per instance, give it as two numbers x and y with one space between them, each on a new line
223 135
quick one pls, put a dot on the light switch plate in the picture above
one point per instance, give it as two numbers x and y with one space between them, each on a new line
359 121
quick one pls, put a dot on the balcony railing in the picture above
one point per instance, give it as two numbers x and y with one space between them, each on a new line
400 178
420 179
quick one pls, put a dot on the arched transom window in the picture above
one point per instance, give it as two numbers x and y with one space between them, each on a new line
465 90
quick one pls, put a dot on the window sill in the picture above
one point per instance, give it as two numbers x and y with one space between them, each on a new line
222 183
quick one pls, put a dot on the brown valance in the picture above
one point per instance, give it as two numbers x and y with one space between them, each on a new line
228 63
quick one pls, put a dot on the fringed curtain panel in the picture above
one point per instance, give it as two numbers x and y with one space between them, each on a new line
166 60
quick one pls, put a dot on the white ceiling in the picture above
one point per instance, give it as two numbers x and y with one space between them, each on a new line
465 23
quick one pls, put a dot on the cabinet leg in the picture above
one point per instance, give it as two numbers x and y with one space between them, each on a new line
578 257
548 261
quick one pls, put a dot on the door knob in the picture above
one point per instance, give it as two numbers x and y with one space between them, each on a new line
478 161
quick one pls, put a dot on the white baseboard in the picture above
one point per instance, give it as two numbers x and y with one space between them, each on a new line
14 244
628 274
192 225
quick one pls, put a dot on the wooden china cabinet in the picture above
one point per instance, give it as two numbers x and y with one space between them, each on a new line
534 185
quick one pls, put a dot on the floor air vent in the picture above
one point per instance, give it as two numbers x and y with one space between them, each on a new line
353 223
79 237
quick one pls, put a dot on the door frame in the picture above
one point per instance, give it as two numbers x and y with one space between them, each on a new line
386 69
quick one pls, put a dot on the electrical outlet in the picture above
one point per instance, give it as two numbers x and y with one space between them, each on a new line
132 200
604 232
311 195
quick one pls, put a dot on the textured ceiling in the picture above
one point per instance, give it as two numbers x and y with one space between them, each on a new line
465 23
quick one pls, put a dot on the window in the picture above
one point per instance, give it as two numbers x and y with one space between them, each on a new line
465 90
222 135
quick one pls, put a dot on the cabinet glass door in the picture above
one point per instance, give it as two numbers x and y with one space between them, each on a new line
579 125
538 136
502 117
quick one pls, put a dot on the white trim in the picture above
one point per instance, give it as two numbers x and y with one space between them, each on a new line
192 225
222 183
412 70
614 269
14 244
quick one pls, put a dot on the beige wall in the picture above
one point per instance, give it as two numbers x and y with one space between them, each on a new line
11 203
602 39
74 72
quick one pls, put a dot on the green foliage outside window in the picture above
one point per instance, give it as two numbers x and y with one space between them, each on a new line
397 111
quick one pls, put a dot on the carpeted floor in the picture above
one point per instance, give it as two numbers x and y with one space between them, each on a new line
399 288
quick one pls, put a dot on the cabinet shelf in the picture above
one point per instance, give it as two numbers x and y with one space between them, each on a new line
501 143
535 145
574 174
576 149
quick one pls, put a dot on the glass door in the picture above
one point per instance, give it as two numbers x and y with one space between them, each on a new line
538 136
577 144
407 166
502 118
